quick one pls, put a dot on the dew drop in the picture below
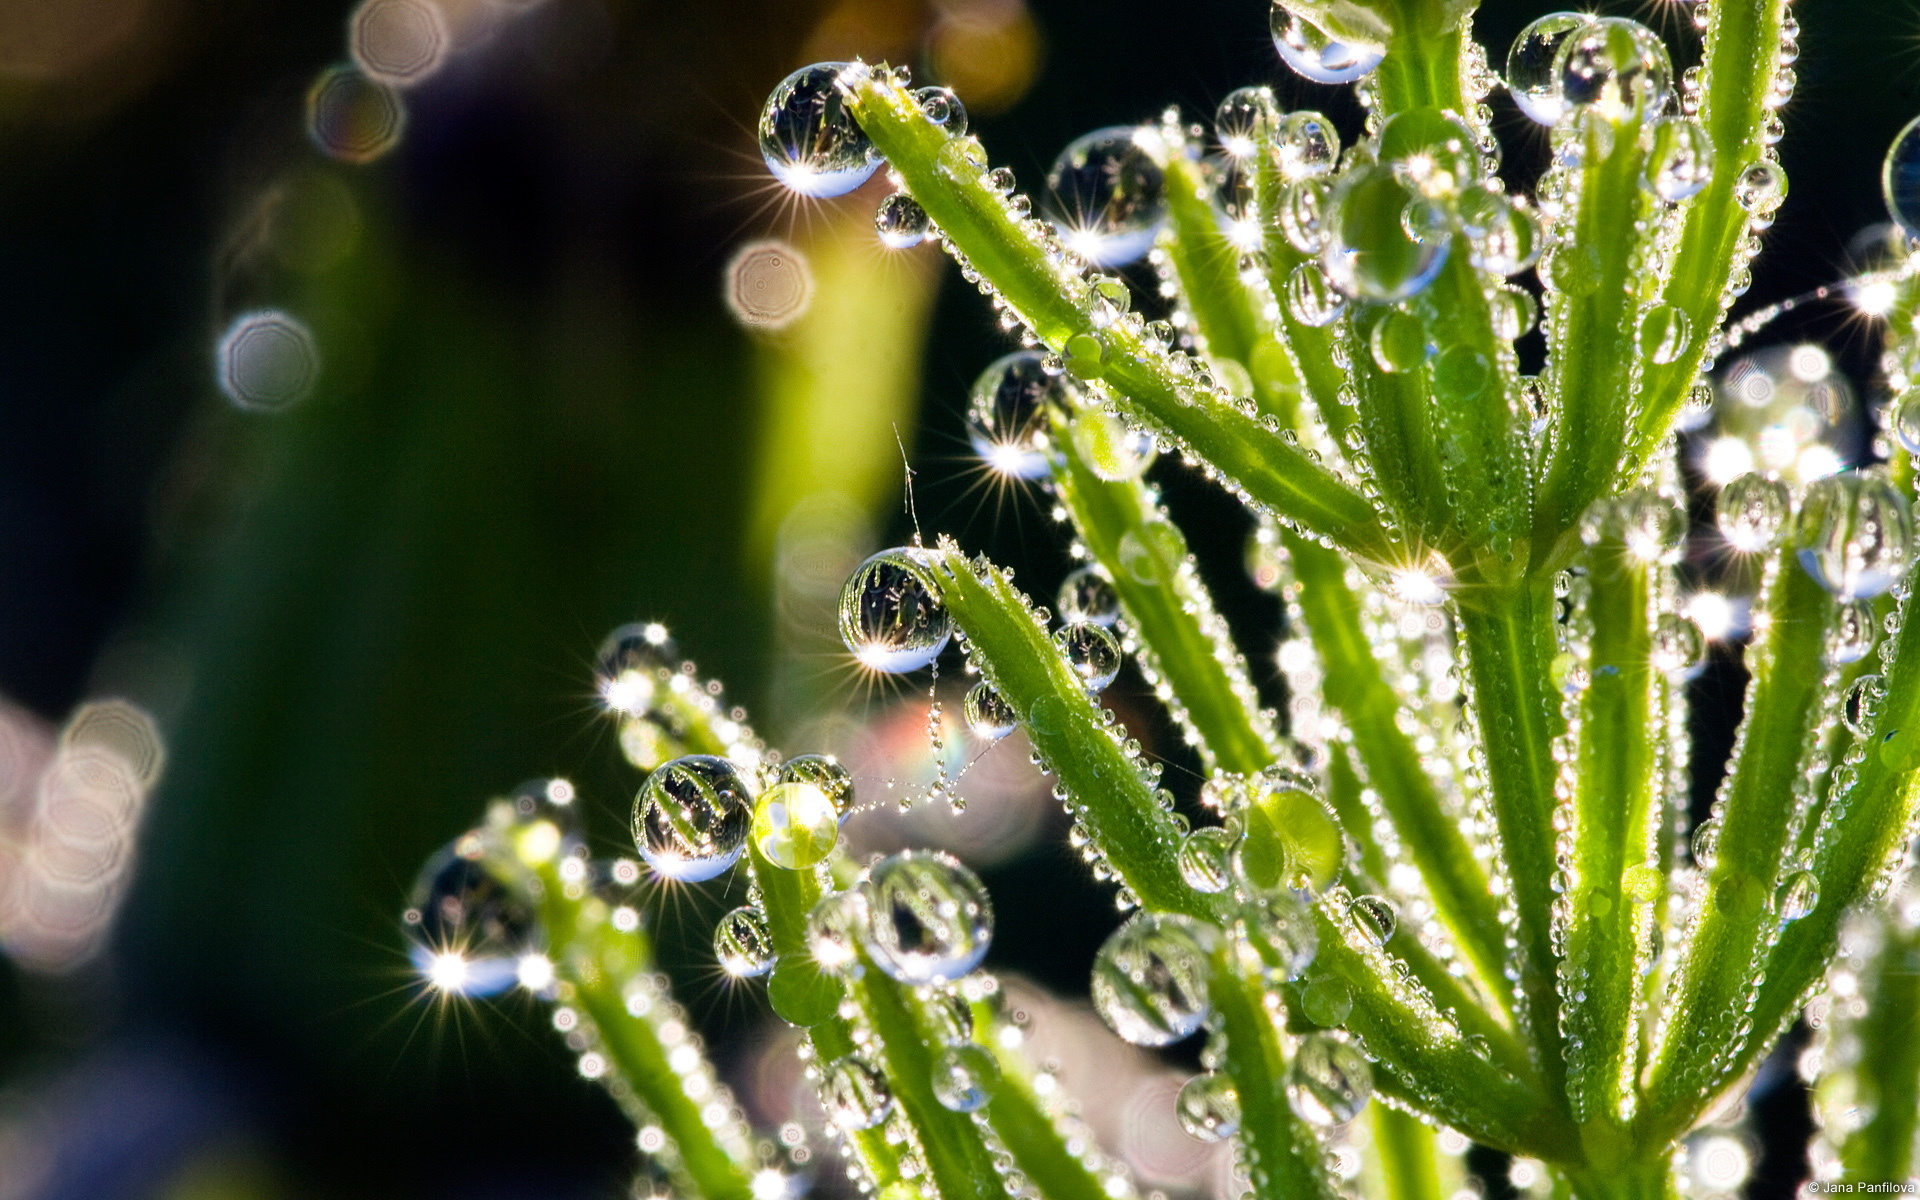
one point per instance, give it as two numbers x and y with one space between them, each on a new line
1531 78
1243 118
855 1095
1285 929
1431 150
1399 342
1306 145
743 943
1008 422
928 917
1110 449
266 361
1617 68
1665 333
1852 634
1327 1001
1150 978
795 825
964 1078
1107 196
1460 374
629 668
1329 1081
1303 215
1206 859
1862 703
691 818
1679 647
1513 313
1374 916
834 929
825 772
1680 163
1509 240
1317 55
944 109
1087 598
1368 252
1209 1107
1761 188
467 930
1311 298
1900 178
1905 422
1092 652
1797 895
1855 534
809 138
1706 843
988 713
889 617
1752 512
901 223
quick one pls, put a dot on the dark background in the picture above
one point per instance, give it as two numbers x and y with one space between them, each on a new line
357 619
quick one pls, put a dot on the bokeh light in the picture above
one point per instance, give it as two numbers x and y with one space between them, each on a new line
266 360
352 118
768 285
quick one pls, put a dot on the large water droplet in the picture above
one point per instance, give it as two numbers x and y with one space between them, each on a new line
1681 161
889 617
1431 150
1209 1107
691 818
468 930
795 825
1284 927
928 917
1752 512
1513 313
1329 1081
1243 118
1092 652
1374 916
1112 450
1904 421
1852 634
1399 342
809 138
825 772
1305 145
1706 843
1316 54
835 928
1855 534
1327 1001
743 943
1665 333
1797 895
1761 188
901 223
1900 178
943 108
964 1078
1007 419
988 713
1087 598
1206 859
1150 978
1107 196
1617 68
1862 703
855 1095
1311 298
1369 253
633 663
1679 647
1531 78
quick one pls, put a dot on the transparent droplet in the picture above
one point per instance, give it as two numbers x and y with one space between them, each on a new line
1374 916
889 617
1678 646
1761 188
988 713
1327 1001
1514 312
1509 238
1399 342
944 109
691 818
1303 215
743 943
1617 68
1092 652
1855 534
1107 196
1111 449
795 825
1905 422
1206 859
1862 703
1317 55
1306 145
834 930
1752 512
1531 78
1460 374
1797 895
1852 634
1900 178
266 361
1706 843
1243 118
1368 252
1665 333
928 917
1652 528
1209 1108
964 1077
633 663
825 772
1681 161
809 138
1008 422
1432 150
1311 298
901 223
1285 928
1329 1081
1150 978
855 1095
1087 598
467 930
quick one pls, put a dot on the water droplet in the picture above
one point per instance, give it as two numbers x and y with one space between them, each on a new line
691 818
901 223
1431 150
1087 598
1008 422
1399 342
1284 927
1905 422
944 109
1329 1081
354 119
266 361
743 943
825 772
1862 703
1368 252
964 1078
795 825
951 1017
1706 843
1513 313
1617 68
889 617
1206 860
1855 534
1327 1001
1303 215
1797 895
1679 647
468 930
1752 512
1900 178
1113 451
1852 634
1531 78
928 917
1106 195
1311 298
1509 238
855 1095
1460 374
834 929
632 664
1681 161
809 138
1317 55
1209 1108
988 713
1305 145
1665 333
1092 652
1150 978
1652 528
1374 916
1761 188
1243 118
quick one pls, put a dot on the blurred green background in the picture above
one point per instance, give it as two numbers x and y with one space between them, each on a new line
357 618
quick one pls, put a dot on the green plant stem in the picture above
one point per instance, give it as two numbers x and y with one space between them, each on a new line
1887 1071
1648 1178
1026 1127
1309 348
1407 1154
